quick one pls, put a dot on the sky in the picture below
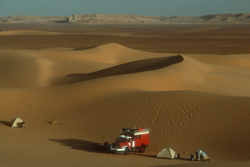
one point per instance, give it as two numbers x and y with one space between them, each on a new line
126 7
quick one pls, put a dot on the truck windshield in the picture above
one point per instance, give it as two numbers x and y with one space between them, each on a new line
120 139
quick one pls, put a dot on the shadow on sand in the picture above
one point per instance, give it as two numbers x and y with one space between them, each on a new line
79 145
86 48
89 146
155 156
126 68
5 123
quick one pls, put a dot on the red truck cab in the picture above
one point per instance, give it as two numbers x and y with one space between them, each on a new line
131 140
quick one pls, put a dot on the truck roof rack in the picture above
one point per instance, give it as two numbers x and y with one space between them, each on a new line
132 130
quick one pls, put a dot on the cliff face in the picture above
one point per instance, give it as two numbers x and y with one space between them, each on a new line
222 18
238 18
131 19
114 19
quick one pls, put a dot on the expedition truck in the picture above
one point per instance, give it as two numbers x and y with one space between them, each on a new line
131 140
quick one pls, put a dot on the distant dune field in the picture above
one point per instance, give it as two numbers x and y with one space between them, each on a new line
169 38
130 19
76 85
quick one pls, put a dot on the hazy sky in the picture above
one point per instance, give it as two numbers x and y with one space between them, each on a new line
138 7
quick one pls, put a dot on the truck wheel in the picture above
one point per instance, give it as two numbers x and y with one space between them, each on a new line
126 151
142 148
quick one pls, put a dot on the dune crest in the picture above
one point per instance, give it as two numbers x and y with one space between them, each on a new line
24 70
127 68
115 64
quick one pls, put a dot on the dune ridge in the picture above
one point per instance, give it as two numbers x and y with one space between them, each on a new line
128 68
21 69
160 73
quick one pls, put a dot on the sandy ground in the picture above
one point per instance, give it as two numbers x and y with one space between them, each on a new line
78 85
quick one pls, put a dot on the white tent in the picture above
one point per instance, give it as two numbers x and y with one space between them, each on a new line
167 153
17 123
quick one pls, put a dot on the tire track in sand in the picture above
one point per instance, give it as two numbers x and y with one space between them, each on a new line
196 114
175 118
187 121
207 114
31 101
156 116
142 114
85 107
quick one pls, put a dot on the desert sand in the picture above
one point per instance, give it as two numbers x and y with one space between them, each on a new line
76 85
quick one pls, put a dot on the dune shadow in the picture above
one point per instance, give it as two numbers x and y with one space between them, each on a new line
85 48
137 153
5 123
82 145
132 67
122 69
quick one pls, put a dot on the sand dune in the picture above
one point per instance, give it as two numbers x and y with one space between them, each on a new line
23 70
128 68
73 98
154 73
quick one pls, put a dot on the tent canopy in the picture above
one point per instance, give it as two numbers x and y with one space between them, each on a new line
16 122
167 153
199 156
